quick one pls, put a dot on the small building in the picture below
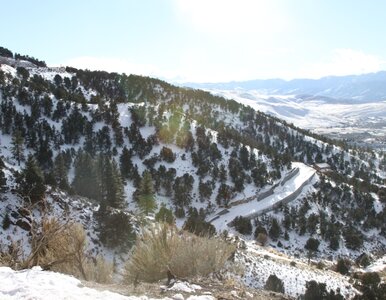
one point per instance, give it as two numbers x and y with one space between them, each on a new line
322 167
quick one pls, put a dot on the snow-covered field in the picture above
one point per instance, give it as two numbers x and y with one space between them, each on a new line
36 284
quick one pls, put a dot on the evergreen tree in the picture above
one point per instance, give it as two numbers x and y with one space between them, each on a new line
224 195
116 230
125 164
275 230
196 223
86 180
6 222
145 194
165 215
312 246
275 284
318 291
31 185
17 148
342 266
3 180
111 184
205 189
60 172
242 225
244 157
182 190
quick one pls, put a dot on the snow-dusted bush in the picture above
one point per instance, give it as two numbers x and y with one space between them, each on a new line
164 249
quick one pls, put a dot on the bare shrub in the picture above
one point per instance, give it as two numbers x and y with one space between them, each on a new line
10 257
163 248
99 270
262 238
61 247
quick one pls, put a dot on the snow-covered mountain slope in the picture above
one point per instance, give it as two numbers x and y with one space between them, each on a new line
114 152
363 123
260 263
203 152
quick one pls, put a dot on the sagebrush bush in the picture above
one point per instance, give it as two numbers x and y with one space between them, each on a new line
61 247
163 248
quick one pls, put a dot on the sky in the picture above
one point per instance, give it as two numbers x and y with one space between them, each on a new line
201 40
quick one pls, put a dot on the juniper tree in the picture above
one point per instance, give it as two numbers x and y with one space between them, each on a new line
60 172
275 230
125 163
312 246
145 194
224 195
165 215
111 183
86 181
17 148
31 185
3 180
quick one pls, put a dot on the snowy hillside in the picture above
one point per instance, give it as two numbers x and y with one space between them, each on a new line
116 153
363 123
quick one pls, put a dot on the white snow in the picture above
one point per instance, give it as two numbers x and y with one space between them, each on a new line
260 264
281 192
181 286
377 266
36 284
305 113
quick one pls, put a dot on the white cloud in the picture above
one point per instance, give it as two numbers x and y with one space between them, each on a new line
343 62
230 17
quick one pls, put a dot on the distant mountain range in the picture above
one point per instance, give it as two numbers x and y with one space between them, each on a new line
359 88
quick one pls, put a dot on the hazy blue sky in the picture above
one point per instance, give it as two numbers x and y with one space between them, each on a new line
201 40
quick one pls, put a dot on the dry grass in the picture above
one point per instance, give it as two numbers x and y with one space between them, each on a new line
10 257
99 270
60 247
163 248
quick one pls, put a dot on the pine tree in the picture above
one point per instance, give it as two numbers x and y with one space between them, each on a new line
275 230
145 194
6 222
116 230
224 195
244 157
17 148
3 180
112 186
60 172
32 181
312 246
86 181
125 164
165 215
